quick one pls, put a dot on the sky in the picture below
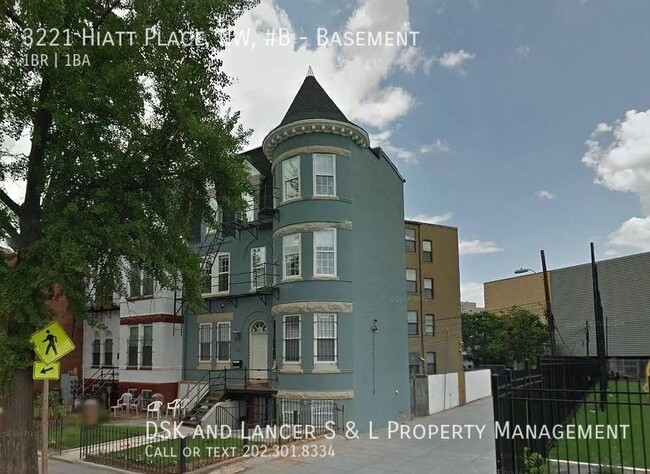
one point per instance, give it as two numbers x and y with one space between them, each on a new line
525 124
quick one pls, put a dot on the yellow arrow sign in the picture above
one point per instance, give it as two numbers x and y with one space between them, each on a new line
51 343
44 371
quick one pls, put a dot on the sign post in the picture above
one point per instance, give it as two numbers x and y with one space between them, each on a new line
51 343
45 469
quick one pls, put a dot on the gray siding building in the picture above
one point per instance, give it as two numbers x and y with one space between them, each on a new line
624 284
305 295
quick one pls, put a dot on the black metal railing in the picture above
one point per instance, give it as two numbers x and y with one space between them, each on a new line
156 451
560 419
54 434
257 281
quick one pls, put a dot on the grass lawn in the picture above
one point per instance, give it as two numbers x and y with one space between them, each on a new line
71 437
632 409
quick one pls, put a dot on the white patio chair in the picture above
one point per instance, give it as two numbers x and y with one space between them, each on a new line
174 406
130 403
154 407
120 403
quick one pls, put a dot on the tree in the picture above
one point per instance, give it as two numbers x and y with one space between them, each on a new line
526 335
121 155
484 339
503 339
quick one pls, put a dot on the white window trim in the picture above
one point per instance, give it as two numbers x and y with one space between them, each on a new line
215 275
217 342
336 341
284 340
249 212
263 267
313 165
284 258
219 215
209 359
317 275
284 181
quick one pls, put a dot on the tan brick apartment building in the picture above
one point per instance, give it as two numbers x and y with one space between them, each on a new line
433 295
524 291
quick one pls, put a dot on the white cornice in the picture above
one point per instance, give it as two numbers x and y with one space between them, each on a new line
302 127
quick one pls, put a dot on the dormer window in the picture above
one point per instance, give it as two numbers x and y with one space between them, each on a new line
324 175
291 178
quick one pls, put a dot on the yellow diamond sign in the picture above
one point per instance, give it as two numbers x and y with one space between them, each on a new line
44 371
51 343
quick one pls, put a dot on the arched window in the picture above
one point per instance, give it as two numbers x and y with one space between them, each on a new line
97 350
108 349
259 326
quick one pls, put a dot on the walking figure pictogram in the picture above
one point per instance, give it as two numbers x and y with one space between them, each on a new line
51 340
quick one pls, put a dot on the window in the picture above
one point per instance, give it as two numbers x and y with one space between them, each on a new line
97 348
412 318
429 325
291 178
414 363
223 272
133 346
140 283
223 342
426 251
411 281
208 262
291 338
108 350
258 267
205 342
324 175
291 253
325 252
410 239
322 412
325 338
147 345
428 288
217 213
431 363
250 207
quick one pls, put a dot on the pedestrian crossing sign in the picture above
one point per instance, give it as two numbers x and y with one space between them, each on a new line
51 343
44 371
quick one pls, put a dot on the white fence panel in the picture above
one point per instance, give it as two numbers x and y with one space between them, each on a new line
443 392
477 385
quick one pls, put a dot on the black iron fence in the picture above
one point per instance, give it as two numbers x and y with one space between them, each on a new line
159 449
559 419
54 434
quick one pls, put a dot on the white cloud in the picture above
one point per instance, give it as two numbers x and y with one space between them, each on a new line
472 291
634 232
356 77
438 146
543 194
439 219
454 59
620 155
472 247
409 156
522 51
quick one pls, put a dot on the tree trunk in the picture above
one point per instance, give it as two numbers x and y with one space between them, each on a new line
18 453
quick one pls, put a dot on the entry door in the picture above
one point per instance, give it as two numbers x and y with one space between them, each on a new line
258 351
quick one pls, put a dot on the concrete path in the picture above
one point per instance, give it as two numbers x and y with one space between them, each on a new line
376 456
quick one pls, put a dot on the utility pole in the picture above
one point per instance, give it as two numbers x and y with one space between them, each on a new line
548 313
600 330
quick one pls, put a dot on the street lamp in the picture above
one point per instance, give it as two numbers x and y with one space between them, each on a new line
524 270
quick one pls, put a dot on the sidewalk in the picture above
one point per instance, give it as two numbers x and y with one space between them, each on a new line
404 456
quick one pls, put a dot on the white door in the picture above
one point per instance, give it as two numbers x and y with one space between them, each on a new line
258 350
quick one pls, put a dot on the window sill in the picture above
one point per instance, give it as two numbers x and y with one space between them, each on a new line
131 367
138 298
326 369
215 294
146 367
290 279
326 277
288 201
291 369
